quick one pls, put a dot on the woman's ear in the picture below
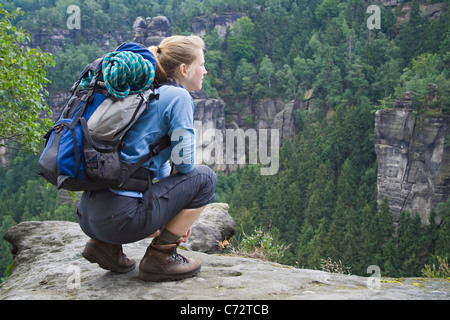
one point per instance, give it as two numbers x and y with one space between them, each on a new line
183 69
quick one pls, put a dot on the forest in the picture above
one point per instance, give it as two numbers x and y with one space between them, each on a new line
322 202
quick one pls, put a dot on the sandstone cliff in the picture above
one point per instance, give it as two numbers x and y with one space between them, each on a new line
151 31
267 114
413 159
48 266
222 22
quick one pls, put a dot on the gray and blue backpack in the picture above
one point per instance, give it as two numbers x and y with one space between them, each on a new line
82 150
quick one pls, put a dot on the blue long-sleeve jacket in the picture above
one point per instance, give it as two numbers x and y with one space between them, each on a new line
172 114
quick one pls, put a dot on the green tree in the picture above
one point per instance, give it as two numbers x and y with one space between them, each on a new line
326 10
440 219
6 223
388 21
410 39
387 78
266 71
241 40
412 245
317 248
303 71
22 82
244 78
380 231
321 196
355 82
287 84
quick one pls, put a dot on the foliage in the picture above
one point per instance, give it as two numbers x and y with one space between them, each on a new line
262 245
241 40
22 81
428 78
443 271
329 265
70 62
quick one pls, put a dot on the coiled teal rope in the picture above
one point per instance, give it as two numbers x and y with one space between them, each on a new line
124 73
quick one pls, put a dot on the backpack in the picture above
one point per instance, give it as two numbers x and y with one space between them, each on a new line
83 147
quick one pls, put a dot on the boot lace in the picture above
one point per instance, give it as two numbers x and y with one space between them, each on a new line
178 258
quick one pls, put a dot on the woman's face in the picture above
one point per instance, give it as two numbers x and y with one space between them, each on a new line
193 77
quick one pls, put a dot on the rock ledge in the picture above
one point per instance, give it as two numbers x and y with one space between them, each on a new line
48 265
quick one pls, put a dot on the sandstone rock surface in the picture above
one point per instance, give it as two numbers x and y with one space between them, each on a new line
48 265
213 226
151 31
413 160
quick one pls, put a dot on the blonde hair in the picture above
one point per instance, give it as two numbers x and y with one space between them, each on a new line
174 51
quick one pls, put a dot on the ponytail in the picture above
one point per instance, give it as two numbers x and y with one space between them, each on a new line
160 73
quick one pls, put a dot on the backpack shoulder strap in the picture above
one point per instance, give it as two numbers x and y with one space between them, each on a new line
155 148
95 67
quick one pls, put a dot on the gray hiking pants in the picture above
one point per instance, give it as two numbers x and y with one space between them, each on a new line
117 219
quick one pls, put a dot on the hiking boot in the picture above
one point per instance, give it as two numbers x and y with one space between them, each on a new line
162 262
108 256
